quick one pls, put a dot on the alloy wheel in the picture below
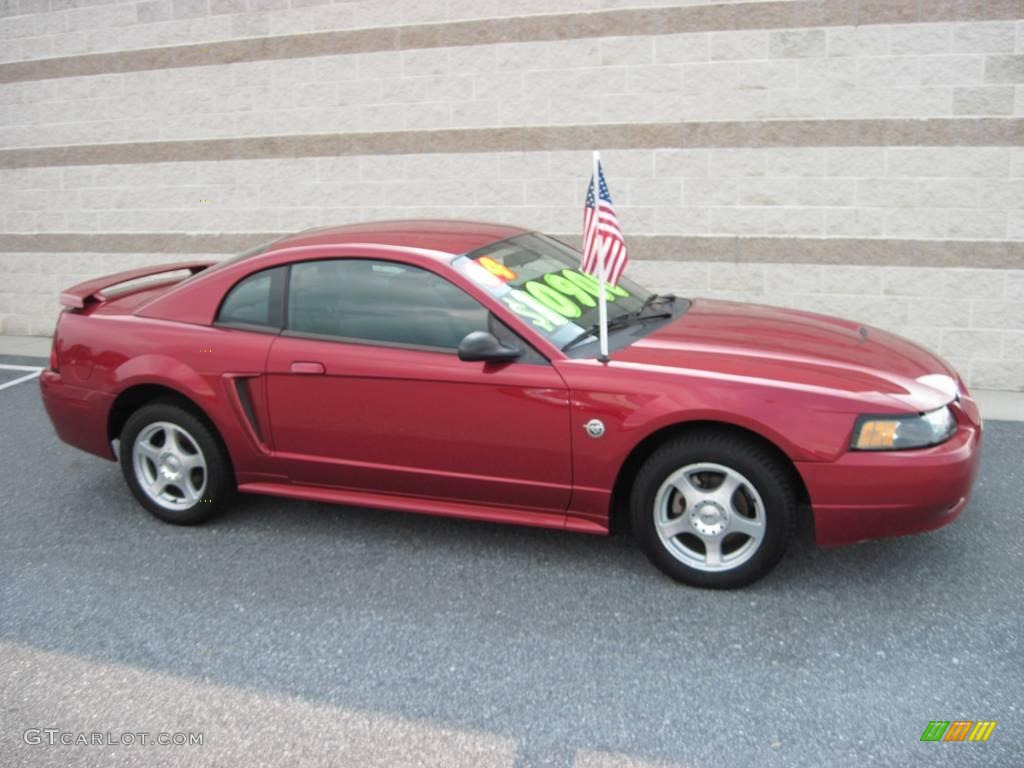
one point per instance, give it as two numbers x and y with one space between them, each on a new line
169 465
709 517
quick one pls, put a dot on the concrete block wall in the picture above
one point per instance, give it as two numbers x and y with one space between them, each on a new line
859 158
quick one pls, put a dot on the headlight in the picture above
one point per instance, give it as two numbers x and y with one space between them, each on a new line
894 433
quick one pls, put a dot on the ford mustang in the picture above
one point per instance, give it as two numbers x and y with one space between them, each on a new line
452 368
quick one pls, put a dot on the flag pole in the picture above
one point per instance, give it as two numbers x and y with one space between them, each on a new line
602 302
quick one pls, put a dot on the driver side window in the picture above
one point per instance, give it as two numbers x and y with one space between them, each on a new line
380 302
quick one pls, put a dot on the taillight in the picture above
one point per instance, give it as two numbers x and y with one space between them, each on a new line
54 354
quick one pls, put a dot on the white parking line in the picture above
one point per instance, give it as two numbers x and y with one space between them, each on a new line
35 371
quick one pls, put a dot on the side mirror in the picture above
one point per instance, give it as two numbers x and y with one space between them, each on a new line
481 346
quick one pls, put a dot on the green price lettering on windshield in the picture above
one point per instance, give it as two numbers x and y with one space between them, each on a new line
552 299
559 289
524 305
589 284
569 288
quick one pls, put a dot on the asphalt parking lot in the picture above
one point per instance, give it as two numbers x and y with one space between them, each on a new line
293 633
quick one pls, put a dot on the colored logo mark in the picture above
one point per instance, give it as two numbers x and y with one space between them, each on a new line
958 730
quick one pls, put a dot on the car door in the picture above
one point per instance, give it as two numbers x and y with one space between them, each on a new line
366 392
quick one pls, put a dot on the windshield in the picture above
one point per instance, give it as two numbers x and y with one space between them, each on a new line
539 279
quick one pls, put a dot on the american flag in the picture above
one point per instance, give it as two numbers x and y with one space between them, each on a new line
601 229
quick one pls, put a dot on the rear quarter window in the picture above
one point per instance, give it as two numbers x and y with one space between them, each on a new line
254 300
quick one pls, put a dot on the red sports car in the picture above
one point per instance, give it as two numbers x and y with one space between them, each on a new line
452 368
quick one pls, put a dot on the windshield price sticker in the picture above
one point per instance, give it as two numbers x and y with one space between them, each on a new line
564 292
548 301
571 289
481 276
589 284
526 306
496 269
552 299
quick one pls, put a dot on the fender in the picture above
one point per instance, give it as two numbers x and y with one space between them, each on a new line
165 371
801 426
783 430
676 418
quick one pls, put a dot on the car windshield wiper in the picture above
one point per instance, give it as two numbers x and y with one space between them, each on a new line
655 316
619 321
656 298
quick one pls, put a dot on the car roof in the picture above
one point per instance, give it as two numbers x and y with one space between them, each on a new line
450 237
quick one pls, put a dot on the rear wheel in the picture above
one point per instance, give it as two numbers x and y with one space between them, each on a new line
713 509
174 464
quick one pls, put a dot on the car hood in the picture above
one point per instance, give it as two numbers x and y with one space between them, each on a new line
797 349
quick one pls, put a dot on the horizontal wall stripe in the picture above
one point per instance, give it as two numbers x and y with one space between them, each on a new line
618 23
171 243
840 251
939 132
769 250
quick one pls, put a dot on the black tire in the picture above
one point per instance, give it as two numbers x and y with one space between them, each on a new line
764 470
218 482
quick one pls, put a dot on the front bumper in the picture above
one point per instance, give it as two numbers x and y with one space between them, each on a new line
78 414
874 495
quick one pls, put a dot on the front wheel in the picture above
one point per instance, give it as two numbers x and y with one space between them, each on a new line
174 464
713 509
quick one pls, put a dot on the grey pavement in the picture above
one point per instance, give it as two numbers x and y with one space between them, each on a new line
8 375
293 633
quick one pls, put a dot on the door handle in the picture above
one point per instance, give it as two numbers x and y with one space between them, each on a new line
308 368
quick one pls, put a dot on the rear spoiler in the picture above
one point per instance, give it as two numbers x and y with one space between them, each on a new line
91 290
